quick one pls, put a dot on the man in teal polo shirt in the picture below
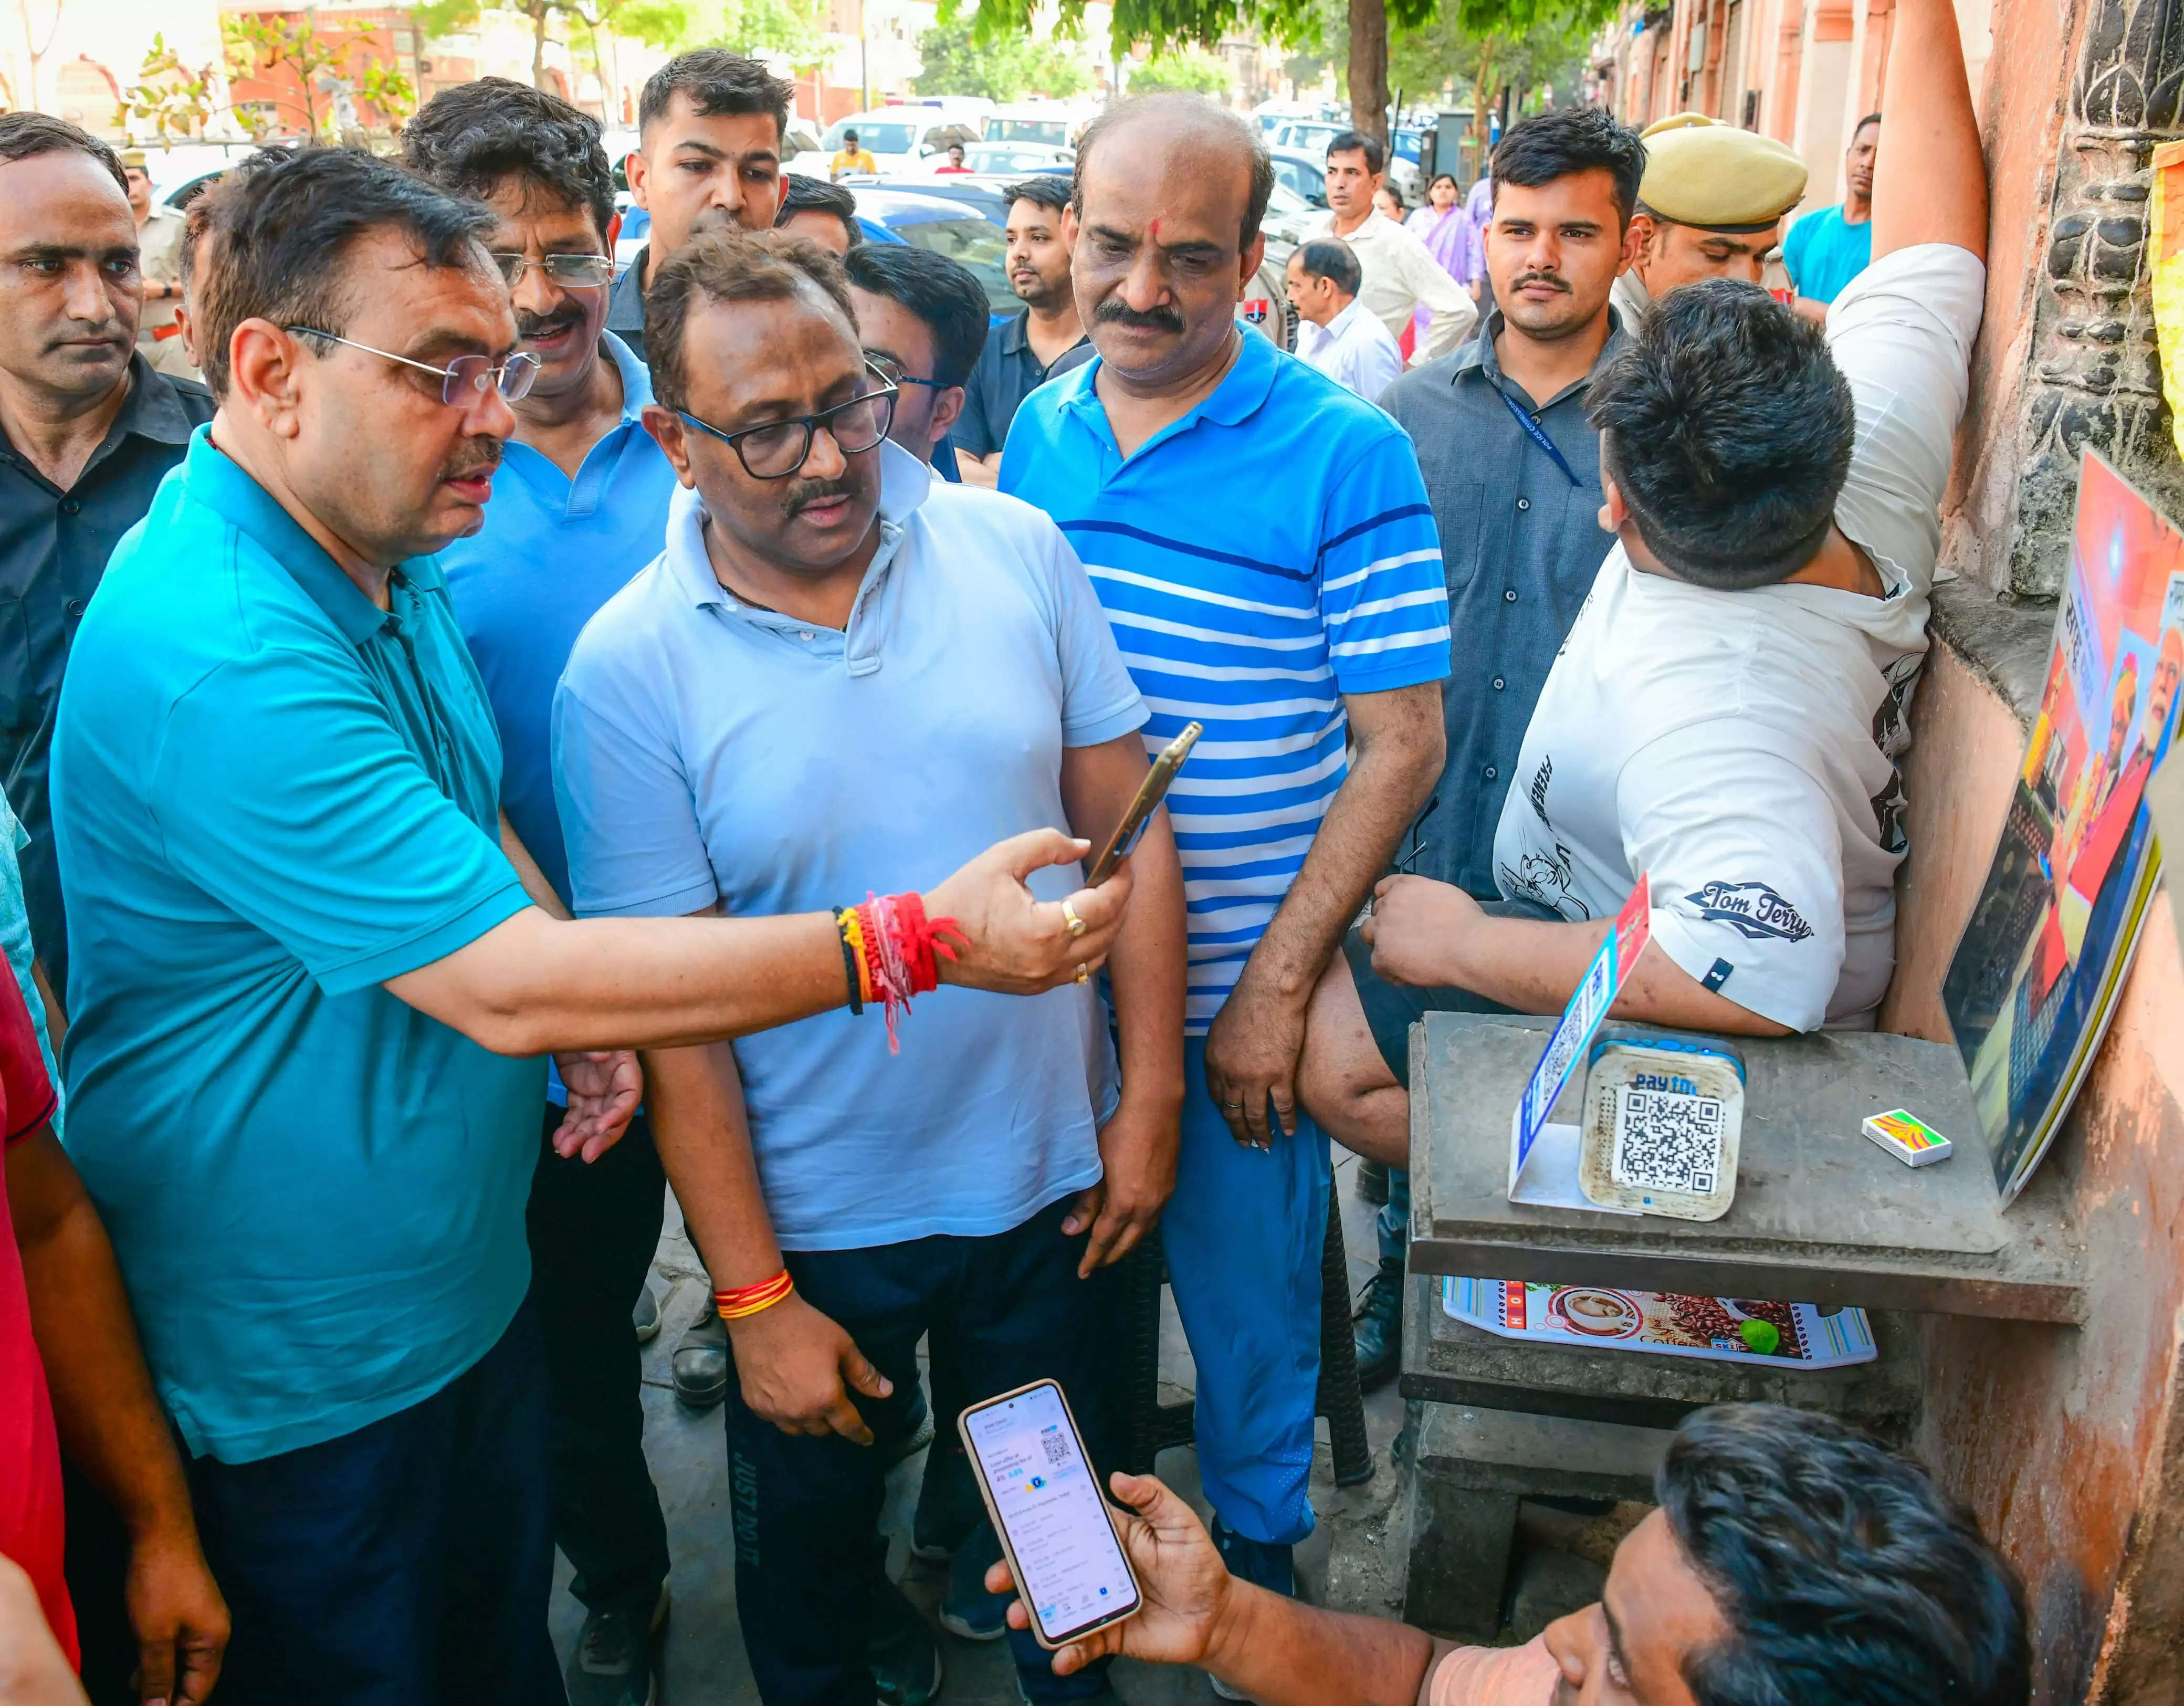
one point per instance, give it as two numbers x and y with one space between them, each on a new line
311 991
580 505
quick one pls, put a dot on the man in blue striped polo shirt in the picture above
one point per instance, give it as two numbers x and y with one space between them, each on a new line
1262 542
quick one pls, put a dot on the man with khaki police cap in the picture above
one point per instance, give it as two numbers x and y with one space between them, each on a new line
1710 206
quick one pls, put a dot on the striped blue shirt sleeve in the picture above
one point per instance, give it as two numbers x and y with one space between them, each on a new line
1382 595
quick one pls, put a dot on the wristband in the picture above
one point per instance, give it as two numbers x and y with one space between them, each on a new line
844 922
744 1301
901 953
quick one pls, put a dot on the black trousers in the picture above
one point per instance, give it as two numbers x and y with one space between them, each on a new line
593 1230
1011 1310
407 1564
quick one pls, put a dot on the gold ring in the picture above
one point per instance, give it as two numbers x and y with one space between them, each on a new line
1077 925
1083 975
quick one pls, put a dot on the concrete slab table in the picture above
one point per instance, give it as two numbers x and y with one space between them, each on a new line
1822 1214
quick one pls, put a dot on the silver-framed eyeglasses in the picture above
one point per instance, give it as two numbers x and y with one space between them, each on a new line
462 380
890 370
778 449
570 271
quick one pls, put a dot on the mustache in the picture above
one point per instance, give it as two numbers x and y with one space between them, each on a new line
802 494
1114 311
546 325
481 456
1553 281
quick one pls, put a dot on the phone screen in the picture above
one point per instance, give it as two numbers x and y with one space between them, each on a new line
1070 1566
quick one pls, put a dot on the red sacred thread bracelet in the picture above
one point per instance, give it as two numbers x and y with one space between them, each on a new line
901 950
740 1301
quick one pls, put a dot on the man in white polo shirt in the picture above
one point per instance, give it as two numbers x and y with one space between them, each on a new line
1727 711
836 657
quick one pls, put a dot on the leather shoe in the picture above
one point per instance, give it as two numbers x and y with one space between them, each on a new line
701 1363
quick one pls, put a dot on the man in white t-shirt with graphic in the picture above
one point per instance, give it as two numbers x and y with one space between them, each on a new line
1726 714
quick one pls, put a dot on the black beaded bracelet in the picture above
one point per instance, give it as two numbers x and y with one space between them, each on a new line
849 959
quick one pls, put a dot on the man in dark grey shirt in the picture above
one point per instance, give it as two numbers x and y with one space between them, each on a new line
708 128
1513 470
87 431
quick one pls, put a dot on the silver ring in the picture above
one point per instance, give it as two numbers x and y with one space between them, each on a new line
1232 1104
1077 925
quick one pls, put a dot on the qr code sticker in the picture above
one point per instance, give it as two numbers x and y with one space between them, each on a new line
1057 1447
1667 1140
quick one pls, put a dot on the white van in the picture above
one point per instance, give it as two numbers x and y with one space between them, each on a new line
898 138
1054 124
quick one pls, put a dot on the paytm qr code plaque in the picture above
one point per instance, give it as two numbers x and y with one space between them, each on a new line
1662 1119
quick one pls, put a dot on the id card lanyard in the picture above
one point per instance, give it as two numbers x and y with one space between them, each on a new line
1538 434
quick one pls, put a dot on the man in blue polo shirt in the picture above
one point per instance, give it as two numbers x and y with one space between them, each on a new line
1262 543
580 505
838 663
313 998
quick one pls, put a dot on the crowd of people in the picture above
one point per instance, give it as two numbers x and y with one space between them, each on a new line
515 738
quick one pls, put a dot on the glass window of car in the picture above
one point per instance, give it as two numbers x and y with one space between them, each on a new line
1306 181
976 244
874 139
1055 132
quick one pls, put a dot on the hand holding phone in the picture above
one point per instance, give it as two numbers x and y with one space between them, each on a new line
1149 796
1044 1496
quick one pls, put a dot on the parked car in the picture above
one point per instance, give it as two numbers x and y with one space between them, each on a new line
899 212
1018 159
1311 137
1304 176
898 138
1054 123
986 196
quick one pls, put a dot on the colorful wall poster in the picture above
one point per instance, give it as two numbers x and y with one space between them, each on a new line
1667 1324
2041 961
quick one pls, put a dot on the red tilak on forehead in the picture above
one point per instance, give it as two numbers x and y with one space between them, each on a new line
1157 225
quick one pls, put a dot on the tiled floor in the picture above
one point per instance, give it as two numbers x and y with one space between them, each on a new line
1343 1563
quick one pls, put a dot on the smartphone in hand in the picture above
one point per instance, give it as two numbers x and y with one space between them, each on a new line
1044 1496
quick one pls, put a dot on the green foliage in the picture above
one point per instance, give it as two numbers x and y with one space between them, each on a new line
1190 71
178 103
794 29
957 61
260 45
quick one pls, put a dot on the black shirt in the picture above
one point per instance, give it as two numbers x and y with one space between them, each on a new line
626 306
53 548
1007 373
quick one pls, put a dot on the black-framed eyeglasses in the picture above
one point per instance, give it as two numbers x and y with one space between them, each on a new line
570 271
462 380
778 449
891 369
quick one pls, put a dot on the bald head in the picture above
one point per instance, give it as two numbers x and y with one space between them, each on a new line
1199 137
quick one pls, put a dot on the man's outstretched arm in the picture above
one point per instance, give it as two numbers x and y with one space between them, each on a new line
1435 936
1928 177
532 984
1277 1650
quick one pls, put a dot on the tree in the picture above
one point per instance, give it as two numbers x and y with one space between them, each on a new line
661 24
1192 71
31 46
261 45
793 30
452 17
177 104
1368 25
956 63
1549 49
